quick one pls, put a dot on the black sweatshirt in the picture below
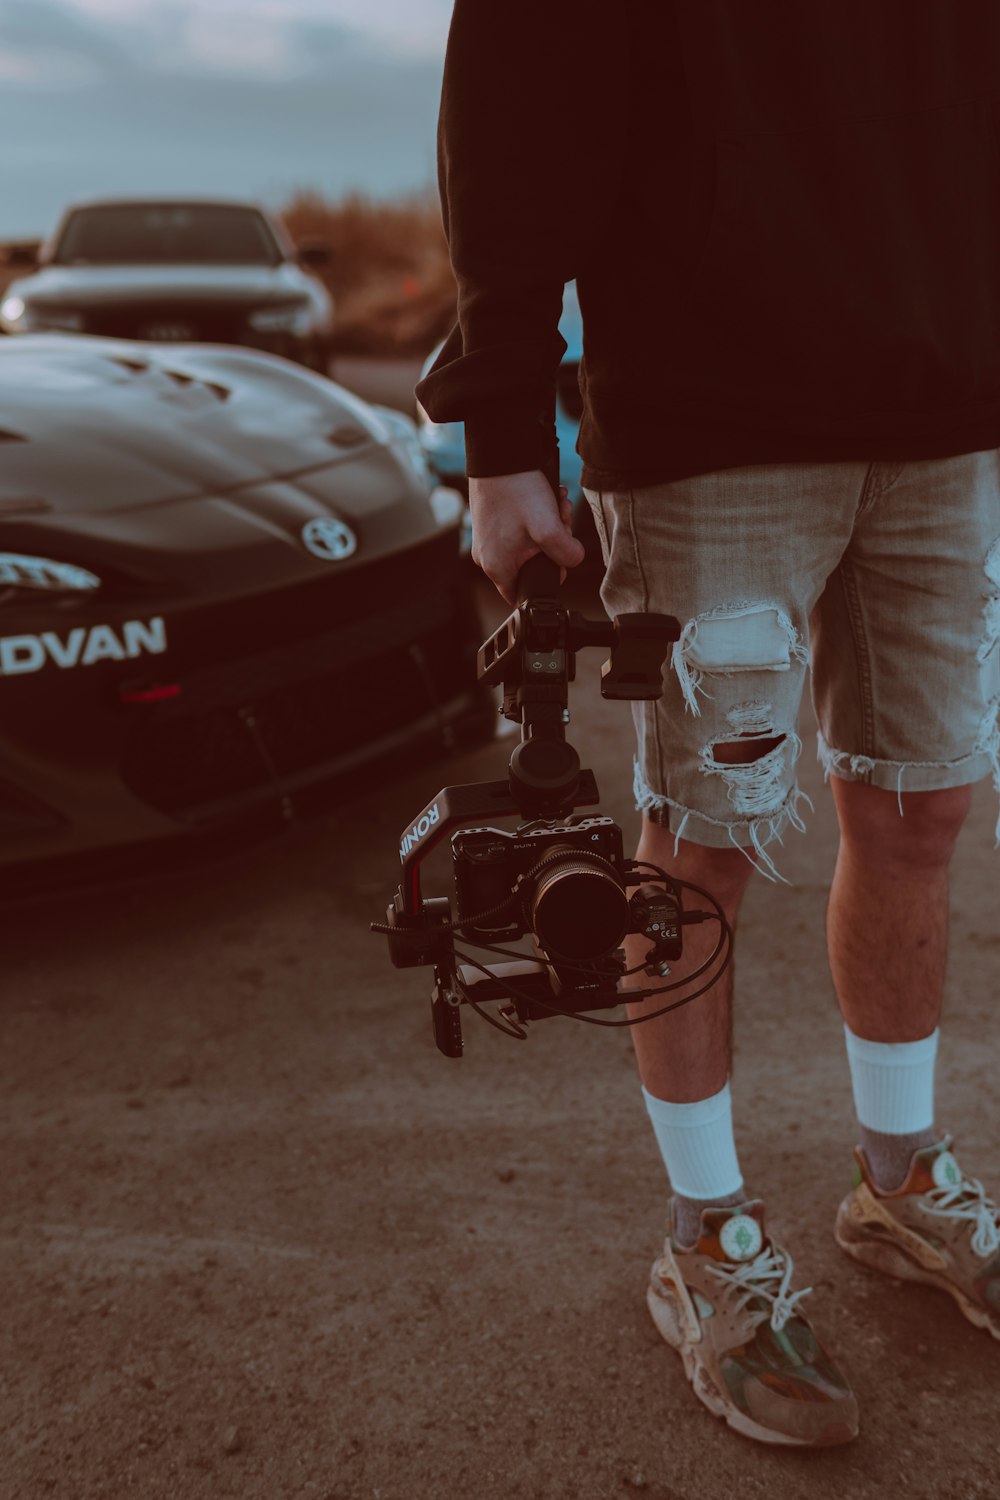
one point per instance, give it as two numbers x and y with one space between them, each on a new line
783 218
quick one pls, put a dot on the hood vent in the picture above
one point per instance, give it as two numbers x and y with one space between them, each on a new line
179 377
134 366
220 392
348 435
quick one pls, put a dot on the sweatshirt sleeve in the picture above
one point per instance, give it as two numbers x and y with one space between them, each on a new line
531 133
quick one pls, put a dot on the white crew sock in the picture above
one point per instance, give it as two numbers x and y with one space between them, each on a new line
697 1146
893 1083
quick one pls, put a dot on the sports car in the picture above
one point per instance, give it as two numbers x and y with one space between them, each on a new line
225 583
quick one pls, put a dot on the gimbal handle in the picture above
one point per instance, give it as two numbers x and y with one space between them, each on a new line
539 576
538 579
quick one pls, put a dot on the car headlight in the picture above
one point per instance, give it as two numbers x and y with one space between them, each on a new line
19 571
12 310
289 317
19 316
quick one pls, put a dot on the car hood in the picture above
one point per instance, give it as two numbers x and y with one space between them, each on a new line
92 426
88 286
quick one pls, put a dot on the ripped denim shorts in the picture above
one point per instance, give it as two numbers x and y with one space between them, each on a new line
883 579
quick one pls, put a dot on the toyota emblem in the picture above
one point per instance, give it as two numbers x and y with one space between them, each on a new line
329 539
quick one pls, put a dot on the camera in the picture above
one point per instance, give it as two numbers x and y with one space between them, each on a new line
560 878
565 883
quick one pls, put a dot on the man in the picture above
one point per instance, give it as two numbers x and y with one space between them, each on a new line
784 225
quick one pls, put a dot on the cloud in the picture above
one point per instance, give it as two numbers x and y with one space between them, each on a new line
40 38
409 28
177 98
45 43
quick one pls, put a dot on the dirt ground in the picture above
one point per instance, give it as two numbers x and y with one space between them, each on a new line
259 1239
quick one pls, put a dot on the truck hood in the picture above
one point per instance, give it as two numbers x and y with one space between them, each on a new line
91 286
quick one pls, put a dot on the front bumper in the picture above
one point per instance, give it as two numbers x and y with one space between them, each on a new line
256 706
266 726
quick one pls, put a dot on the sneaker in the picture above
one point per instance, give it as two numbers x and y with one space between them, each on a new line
727 1306
939 1228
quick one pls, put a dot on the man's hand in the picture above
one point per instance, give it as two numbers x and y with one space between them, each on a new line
514 517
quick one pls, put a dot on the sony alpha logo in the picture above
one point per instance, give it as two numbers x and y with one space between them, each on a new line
81 647
420 830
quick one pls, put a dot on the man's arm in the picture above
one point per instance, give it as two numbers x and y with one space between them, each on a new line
531 132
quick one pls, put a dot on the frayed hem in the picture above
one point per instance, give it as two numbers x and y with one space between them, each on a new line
646 800
850 767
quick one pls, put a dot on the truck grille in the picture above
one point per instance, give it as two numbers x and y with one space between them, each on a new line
169 322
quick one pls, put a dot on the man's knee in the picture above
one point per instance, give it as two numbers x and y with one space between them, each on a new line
723 864
931 822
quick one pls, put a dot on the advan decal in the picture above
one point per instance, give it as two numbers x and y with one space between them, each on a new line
82 646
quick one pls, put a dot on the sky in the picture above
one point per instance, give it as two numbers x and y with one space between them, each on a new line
255 98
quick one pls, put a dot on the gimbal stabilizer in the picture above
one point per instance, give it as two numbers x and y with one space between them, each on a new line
559 878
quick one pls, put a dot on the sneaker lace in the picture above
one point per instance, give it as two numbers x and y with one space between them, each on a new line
968 1200
756 1278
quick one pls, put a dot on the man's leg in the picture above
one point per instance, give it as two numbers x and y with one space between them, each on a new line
887 934
887 915
770 1379
913 1213
685 1057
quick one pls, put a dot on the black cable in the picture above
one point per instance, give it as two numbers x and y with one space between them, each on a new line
574 1015
584 969
511 1029
687 885
515 1031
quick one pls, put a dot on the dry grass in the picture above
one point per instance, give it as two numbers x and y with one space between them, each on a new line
390 276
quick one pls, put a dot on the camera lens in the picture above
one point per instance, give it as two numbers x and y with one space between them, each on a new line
578 911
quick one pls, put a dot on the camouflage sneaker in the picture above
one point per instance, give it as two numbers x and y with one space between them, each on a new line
939 1228
751 1357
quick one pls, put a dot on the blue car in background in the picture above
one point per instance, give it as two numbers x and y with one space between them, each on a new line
443 443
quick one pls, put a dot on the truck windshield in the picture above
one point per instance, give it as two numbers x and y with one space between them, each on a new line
158 233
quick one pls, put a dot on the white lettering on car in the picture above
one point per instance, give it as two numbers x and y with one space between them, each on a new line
65 654
144 635
102 645
21 653
82 647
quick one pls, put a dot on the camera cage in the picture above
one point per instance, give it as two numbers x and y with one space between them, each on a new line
532 654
